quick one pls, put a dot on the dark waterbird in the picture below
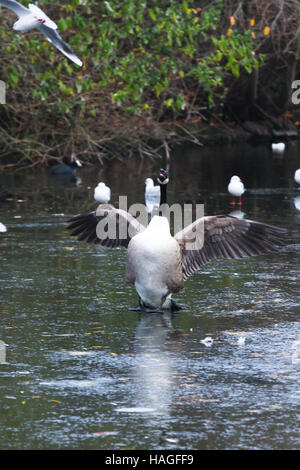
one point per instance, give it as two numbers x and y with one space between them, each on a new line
157 263
66 171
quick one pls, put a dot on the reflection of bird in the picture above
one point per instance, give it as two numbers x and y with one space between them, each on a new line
102 193
297 176
34 17
155 367
66 172
237 214
152 195
157 263
278 147
2 228
236 189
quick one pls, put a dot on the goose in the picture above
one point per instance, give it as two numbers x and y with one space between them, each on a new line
158 263
236 189
66 172
34 17
102 193
278 147
297 176
2 228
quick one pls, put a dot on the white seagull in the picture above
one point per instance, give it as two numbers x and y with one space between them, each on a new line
297 176
152 195
2 228
236 189
151 190
102 193
278 147
34 17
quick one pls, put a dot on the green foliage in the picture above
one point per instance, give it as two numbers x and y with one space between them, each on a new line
142 55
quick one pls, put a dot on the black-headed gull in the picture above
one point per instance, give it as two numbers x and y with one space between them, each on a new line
278 147
236 189
297 202
151 190
2 228
102 193
297 176
152 195
34 17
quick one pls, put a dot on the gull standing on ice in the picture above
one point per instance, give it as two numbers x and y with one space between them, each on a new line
102 193
34 17
236 189
297 176
2 228
278 147
152 195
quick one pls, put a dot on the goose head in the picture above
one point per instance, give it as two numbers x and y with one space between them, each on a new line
163 176
163 180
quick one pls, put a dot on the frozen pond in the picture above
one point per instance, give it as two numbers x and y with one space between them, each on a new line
81 371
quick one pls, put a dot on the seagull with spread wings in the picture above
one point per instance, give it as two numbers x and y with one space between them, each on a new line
33 17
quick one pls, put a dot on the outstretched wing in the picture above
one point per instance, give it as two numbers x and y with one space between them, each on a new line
40 14
54 37
107 226
16 7
226 237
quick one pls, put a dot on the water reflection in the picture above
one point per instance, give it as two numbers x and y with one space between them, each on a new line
237 214
156 346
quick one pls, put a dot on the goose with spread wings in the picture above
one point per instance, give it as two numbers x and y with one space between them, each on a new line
33 17
158 263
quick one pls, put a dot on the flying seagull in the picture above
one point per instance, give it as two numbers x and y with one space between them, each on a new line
34 17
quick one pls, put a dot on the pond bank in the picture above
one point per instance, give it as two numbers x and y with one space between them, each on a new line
146 138
268 130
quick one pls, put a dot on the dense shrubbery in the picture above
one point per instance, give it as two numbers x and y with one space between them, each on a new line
145 61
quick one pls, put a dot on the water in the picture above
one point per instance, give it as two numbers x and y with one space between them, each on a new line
80 371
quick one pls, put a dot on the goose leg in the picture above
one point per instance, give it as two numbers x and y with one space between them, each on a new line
141 307
174 306
138 308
